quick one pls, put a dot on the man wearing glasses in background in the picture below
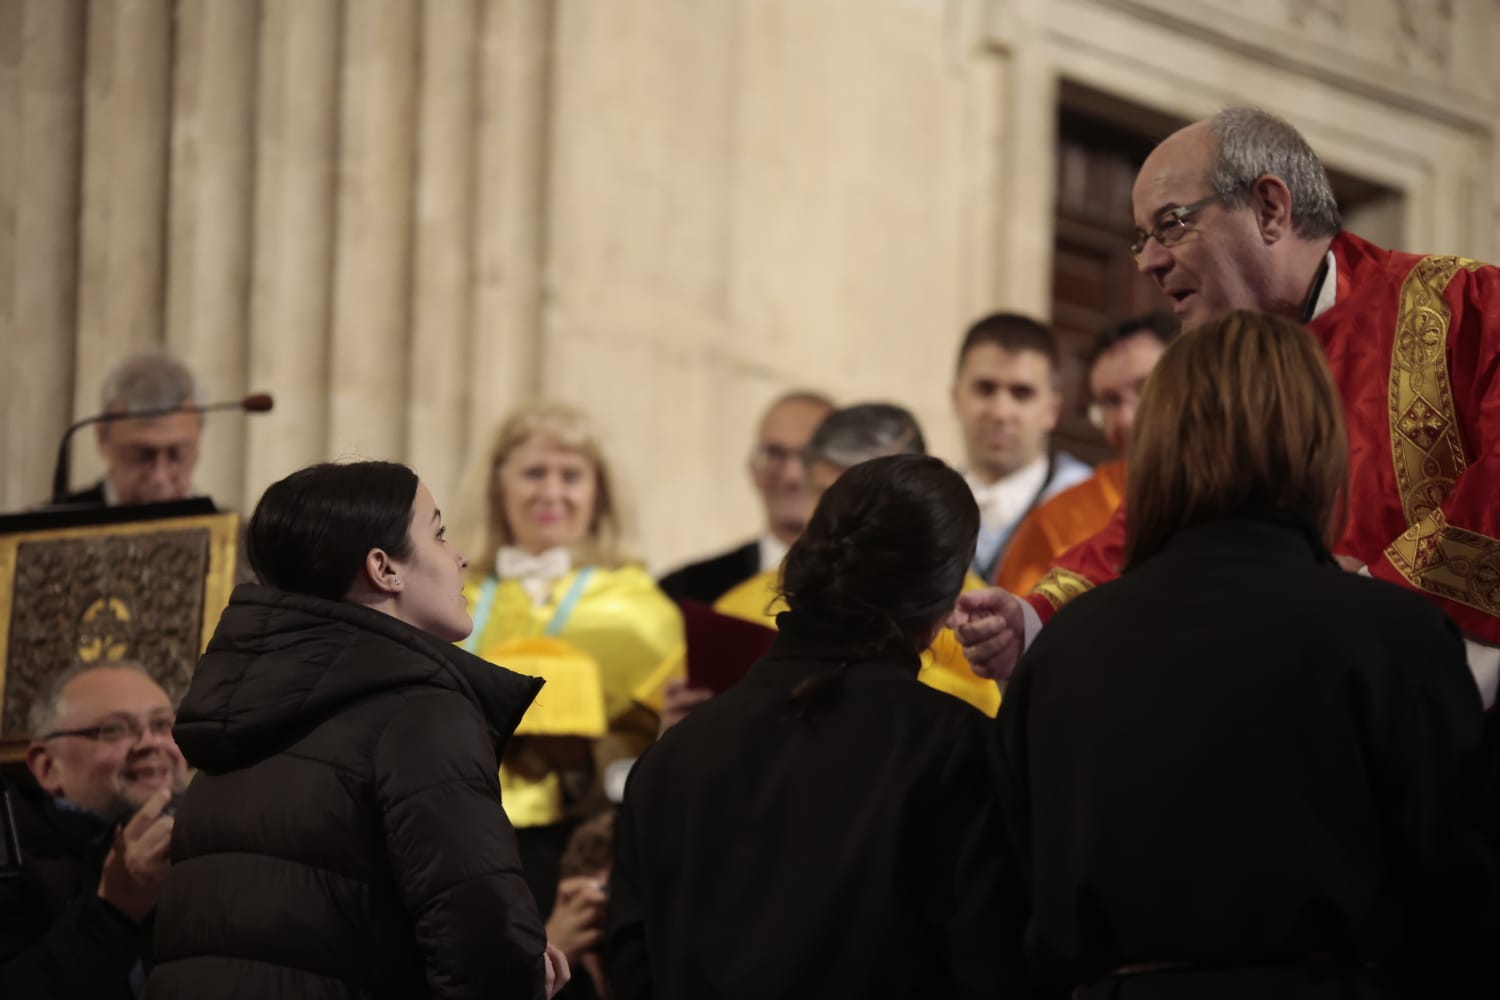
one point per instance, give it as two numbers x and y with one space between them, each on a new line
1236 212
780 478
148 460
94 833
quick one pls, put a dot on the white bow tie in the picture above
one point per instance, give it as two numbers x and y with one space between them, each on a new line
535 573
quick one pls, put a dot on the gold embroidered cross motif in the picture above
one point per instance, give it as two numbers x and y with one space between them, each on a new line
1427 449
1422 425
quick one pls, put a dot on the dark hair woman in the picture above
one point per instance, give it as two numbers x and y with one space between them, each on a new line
344 835
1237 770
826 827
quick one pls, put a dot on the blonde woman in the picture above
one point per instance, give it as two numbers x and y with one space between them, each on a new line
553 593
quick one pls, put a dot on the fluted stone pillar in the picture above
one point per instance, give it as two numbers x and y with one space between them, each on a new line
41 106
438 390
510 219
372 285
208 260
292 266
127 109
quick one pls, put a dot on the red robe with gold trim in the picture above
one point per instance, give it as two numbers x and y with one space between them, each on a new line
1414 345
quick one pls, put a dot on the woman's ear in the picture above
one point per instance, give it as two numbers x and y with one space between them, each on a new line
382 573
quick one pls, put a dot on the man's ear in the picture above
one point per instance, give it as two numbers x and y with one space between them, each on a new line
39 762
1272 201
381 573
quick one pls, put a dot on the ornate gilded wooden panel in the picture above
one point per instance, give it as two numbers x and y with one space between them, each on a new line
148 591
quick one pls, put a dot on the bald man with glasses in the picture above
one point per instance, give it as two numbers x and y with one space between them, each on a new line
94 832
1236 212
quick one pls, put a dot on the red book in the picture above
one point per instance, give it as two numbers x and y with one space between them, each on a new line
721 648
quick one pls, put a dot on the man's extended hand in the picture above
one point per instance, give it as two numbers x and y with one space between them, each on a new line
992 630
138 861
677 700
577 921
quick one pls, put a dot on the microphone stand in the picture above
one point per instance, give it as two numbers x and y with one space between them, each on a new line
257 403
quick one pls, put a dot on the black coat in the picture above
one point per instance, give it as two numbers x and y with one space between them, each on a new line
852 853
344 836
1242 759
708 580
58 939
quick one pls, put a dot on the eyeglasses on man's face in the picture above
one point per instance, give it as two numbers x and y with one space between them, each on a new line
120 729
1171 227
768 455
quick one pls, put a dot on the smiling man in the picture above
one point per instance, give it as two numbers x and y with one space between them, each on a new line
1236 213
94 835
1007 397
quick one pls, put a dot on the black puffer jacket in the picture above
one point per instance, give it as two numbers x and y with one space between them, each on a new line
344 837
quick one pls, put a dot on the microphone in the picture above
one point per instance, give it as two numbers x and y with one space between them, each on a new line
256 402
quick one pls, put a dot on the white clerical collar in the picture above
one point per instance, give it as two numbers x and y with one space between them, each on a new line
772 551
112 499
1328 292
535 573
1004 500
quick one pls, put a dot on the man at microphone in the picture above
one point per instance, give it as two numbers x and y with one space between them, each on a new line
151 459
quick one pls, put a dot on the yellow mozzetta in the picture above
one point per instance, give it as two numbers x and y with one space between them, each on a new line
617 631
943 665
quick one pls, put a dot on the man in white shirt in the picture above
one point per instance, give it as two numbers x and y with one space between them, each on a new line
1007 397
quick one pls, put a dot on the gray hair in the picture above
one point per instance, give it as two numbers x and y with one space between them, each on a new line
148 382
859 433
1253 143
46 710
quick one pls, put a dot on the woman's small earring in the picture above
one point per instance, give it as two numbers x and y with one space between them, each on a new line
397 581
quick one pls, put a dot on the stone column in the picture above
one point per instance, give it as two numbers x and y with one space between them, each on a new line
208 261
510 231
123 252
372 280
296 143
41 121
437 423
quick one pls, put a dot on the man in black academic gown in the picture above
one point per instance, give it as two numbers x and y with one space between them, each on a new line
777 471
148 460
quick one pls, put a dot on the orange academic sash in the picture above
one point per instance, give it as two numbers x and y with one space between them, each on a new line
1060 523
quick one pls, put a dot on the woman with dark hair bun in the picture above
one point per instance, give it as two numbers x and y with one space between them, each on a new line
344 834
826 828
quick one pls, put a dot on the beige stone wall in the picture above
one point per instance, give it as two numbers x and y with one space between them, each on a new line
405 217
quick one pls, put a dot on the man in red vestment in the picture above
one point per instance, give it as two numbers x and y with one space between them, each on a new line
1235 212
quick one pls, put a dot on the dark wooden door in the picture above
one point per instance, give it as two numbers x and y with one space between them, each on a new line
1094 280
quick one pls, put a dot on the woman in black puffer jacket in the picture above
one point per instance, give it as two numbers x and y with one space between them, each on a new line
344 836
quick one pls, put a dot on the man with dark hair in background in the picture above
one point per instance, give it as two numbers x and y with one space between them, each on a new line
1007 397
